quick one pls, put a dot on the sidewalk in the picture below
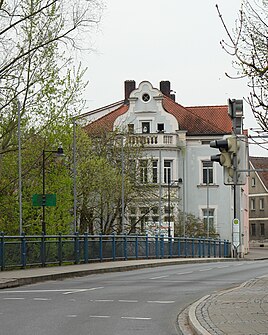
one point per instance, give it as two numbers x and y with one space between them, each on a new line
238 311
15 278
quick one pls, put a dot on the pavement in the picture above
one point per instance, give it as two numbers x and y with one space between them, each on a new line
242 310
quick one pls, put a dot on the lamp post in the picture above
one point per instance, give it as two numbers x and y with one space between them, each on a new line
59 153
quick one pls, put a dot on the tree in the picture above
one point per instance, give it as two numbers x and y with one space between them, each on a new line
38 81
248 44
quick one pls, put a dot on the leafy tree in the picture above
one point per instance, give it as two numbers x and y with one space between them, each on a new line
194 226
247 44
38 81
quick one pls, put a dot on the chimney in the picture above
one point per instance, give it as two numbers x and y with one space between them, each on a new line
165 87
130 86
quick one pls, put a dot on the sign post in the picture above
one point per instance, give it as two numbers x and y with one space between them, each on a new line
236 235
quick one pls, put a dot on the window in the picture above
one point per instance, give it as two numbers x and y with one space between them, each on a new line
208 216
252 204
146 97
262 229
253 182
167 172
207 172
145 127
155 172
261 204
160 127
143 171
253 229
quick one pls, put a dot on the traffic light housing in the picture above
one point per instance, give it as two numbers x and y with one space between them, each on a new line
228 148
232 158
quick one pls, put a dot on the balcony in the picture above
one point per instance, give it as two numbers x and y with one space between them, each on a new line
157 140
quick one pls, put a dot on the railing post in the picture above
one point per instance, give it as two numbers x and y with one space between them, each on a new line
193 247
162 246
60 249
2 250
204 248
76 248
179 247
199 248
156 247
113 247
170 242
214 247
125 247
86 248
185 247
146 246
23 250
209 248
136 247
220 248
225 248
43 250
100 247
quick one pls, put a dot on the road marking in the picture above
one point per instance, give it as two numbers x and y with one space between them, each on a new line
103 300
14 298
159 277
222 266
134 318
128 300
67 291
184 273
71 316
100 316
161 302
207 269
41 299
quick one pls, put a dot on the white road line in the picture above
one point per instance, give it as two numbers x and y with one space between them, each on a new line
68 291
184 273
100 316
71 316
13 298
41 299
207 269
161 302
127 300
222 266
103 300
134 318
159 277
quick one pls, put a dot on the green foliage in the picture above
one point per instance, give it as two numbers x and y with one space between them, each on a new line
193 226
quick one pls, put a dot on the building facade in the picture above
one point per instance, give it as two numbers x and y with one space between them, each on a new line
176 156
258 198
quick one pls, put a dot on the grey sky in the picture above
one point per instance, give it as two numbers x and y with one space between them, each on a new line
176 40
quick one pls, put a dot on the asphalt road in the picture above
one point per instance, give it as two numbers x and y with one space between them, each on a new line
143 301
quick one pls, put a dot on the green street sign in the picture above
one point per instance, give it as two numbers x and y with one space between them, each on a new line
39 200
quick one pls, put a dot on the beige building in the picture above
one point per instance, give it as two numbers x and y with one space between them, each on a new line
258 198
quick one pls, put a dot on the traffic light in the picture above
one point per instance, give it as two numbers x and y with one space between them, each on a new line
232 158
228 148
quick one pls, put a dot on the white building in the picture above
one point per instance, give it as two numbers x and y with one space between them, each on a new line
176 153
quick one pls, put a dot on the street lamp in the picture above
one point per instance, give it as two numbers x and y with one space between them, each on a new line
59 153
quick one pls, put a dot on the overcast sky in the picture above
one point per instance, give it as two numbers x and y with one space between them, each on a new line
175 40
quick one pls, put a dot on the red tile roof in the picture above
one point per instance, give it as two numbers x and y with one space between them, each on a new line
199 120
261 163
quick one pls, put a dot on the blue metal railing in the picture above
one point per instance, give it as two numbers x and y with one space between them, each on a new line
41 250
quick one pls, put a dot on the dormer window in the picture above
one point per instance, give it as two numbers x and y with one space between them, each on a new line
145 127
160 127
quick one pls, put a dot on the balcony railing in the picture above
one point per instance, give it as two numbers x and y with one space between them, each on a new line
167 140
